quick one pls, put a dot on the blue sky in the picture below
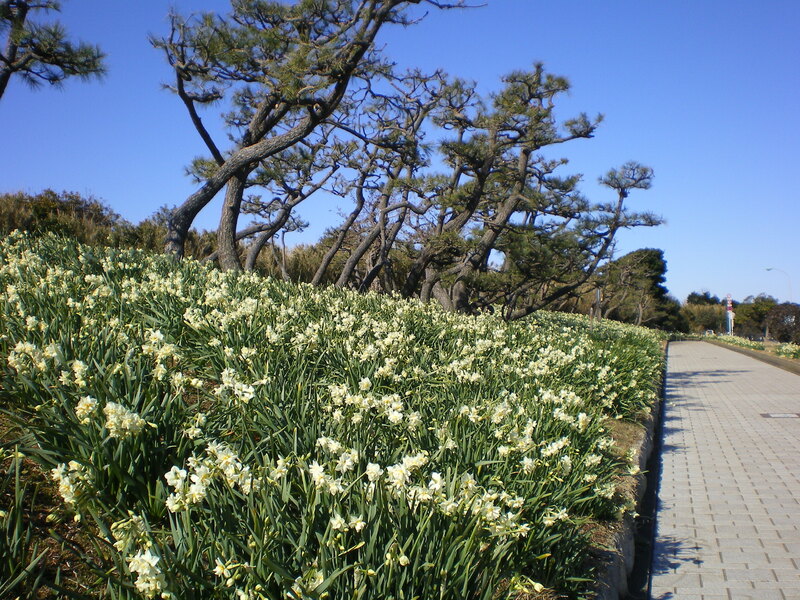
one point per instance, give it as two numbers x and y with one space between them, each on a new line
707 93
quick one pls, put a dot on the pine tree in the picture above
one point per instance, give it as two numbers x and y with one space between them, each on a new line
41 53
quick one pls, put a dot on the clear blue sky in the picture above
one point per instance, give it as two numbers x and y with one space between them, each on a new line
705 92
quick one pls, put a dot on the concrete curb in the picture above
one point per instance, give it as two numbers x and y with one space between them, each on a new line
618 559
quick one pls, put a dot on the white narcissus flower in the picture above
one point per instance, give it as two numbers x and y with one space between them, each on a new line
280 469
583 422
357 523
398 475
85 407
374 471
395 417
346 462
121 422
528 465
175 477
222 569
150 580
338 523
592 459
196 493
555 447
317 472
436 483
73 479
413 420
606 490
175 503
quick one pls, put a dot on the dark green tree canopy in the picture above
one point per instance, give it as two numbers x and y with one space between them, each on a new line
784 322
751 315
631 290
703 297
40 52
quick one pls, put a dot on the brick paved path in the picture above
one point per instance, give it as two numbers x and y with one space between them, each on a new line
728 523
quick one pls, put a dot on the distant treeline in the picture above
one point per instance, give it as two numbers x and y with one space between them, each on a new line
756 317
630 287
90 221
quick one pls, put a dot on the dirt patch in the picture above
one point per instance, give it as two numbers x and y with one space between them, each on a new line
65 542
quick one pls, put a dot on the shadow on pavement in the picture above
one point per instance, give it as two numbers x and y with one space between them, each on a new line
669 554
681 378
672 552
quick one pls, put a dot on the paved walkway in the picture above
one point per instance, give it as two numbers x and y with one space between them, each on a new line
728 523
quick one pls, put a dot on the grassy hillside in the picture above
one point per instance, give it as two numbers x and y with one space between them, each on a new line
223 435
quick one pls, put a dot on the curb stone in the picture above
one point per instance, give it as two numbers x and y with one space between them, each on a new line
617 559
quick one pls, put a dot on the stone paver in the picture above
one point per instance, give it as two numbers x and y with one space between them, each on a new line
728 521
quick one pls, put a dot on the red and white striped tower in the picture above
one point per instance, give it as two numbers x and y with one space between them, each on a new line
730 315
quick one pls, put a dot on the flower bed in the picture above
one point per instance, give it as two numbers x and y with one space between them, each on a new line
735 340
783 350
230 436
788 350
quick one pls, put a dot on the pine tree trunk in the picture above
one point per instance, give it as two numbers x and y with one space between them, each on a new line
258 245
357 255
227 248
338 242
